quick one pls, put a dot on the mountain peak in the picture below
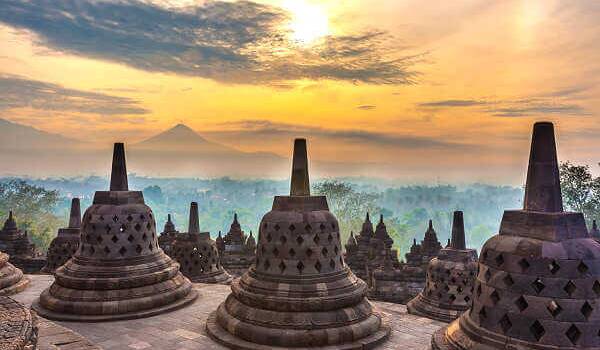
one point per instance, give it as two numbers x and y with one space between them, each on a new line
182 127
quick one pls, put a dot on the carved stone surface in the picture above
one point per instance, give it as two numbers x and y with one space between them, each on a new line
66 243
167 237
357 250
538 284
450 277
237 251
300 293
594 232
18 326
197 253
119 271
17 244
421 254
11 278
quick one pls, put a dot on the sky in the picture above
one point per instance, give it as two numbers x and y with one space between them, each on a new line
423 90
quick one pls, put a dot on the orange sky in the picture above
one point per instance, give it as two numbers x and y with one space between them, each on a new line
452 86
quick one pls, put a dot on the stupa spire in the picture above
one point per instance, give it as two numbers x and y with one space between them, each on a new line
430 224
118 177
75 216
300 185
542 189
458 231
194 223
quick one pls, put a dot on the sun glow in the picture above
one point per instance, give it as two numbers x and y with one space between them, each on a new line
309 22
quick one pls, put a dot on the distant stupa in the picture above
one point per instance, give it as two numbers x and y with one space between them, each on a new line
66 243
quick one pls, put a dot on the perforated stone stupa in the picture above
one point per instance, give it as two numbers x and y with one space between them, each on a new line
18 245
18 326
11 278
421 254
197 253
238 251
119 271
450 278
66 243
538 285
300 293
167 237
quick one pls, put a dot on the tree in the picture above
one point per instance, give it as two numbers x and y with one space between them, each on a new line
33 207
580 189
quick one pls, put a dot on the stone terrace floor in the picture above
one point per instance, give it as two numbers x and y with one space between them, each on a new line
184 329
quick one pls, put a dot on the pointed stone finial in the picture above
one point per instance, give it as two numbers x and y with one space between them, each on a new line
368 218
10 215
118 177
75 216
458 232
430 224
300 185
414 241
169 218
381 218
235 219
542 189
194 224
221 236
448 244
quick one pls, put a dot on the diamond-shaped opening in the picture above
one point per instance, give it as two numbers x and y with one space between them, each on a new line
521 303
282 239
582 267
322 227
318 266
115 218
122 251
329 238
538 285
144 237
292 252
554 308
267 264
308 228
324 251
99 239
570 288
482 313
107 228
138 248
466 299
299 240
309 252
281 266
114 239
459 289
129 217
586 310
130 238
495 297
300 266
316 239
487 275
106 250
277 227
524 264
451 298
553 267
292 227
452 280
336 250
269 238
499 259
505 323
508 280
138 227
573 333
332 263
537 330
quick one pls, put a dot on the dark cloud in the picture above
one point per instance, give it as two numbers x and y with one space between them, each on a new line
366 107
264 128
19 92
453 103
239 42
538 109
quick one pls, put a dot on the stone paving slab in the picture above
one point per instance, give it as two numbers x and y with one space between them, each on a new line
184 329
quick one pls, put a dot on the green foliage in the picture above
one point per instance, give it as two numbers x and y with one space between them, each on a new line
33 208
580 189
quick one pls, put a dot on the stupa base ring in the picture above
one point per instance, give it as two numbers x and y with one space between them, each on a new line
15 288
222 336
419 306
59 316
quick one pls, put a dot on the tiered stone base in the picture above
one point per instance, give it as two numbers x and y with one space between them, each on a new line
323 312
220 277
18 329
12 280
29 264
83 291
422 306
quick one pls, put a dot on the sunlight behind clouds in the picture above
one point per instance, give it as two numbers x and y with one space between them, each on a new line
309 21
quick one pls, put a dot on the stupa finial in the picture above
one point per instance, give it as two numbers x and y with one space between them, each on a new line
300 185
430 224
458 231
542 189
118 177
194 223
75 216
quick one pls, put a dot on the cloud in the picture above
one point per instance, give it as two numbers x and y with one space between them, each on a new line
452 103
19 92
264 128
366 107
537 109
236 42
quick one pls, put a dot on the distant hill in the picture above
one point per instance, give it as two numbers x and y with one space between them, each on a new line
16 137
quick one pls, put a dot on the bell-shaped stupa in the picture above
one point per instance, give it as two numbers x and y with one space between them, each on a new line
538 285
237 255
11 278
299 293
66 242
450 278
197 253
119 271
168 236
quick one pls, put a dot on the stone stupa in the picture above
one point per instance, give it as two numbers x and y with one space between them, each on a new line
450 278
197 253
538 285
236 254
357 257
66 243
119 271
19 247
168 236
299 293
12 280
